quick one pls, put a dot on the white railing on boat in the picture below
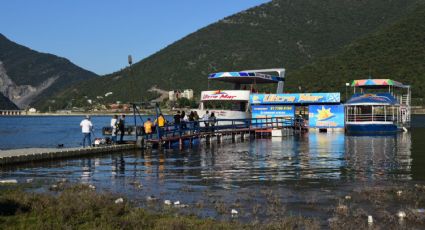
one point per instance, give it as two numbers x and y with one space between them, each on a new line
370 117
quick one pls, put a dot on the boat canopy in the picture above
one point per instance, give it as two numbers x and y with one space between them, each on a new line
372 99
245 77
377 83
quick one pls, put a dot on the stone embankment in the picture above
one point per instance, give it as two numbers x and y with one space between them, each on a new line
15 156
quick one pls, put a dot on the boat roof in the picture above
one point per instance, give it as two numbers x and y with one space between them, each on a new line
372 99
377 83
245 77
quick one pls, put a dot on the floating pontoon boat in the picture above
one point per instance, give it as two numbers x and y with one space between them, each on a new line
234 104
378 106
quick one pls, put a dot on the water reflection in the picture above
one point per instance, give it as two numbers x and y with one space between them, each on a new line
378 157
309 158
314 156
86 170
313 167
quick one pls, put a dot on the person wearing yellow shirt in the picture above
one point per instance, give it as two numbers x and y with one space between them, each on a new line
148 128
160 122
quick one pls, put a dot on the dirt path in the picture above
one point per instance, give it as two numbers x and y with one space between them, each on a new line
163 93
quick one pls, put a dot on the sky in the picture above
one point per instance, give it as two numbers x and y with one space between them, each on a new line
98 35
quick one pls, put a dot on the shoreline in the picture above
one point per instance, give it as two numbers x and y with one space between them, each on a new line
166 112
76 205
415 111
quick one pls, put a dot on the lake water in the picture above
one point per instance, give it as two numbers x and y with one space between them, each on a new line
48 131
297 170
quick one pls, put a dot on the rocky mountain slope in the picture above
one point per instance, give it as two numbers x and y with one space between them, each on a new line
30 77
6 104
282 33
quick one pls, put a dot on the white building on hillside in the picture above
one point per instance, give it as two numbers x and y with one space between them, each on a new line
188 93
174 95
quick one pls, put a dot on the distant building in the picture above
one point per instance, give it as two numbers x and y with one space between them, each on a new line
174 95
188 93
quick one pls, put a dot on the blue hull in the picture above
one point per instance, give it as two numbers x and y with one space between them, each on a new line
371 128
176 144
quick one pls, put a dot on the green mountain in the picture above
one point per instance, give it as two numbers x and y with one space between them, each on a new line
396 52
6 104
30 77
281 33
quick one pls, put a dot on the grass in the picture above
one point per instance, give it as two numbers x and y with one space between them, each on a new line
68 206
80 207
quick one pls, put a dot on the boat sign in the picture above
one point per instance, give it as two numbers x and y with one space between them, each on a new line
225 95
326 116
269 111
295 98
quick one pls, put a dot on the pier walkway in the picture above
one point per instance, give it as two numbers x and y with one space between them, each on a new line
169 136
15 156
191 132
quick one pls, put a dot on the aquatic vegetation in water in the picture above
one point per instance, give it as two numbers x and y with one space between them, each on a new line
79 207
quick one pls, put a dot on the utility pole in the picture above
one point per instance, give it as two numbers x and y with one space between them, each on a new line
346 89
130 62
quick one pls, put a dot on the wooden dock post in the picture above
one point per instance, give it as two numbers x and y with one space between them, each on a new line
233 137
140 142
219 138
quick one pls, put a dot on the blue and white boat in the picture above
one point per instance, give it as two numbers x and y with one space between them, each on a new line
235 103
380 106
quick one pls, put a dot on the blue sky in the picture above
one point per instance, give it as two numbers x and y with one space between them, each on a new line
98 35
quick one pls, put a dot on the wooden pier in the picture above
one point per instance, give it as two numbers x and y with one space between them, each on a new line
15 156
181 136
169 136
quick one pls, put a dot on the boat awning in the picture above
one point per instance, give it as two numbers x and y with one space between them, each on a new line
372 99
377 83
245 77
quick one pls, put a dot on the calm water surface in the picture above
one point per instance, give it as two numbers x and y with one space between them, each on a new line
48 131
298 170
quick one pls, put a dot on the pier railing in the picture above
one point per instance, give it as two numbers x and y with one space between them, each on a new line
207 126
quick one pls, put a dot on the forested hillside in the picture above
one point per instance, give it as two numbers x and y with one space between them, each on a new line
282 33
396 52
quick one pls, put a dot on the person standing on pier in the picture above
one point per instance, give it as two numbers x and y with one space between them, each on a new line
114 122
160 122
212 120
177 123
86 129
196 121
183 120
121 128
191 116
148 128
205 118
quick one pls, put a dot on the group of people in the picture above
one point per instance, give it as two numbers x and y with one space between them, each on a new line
181 119
118 126
209 120
180 122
